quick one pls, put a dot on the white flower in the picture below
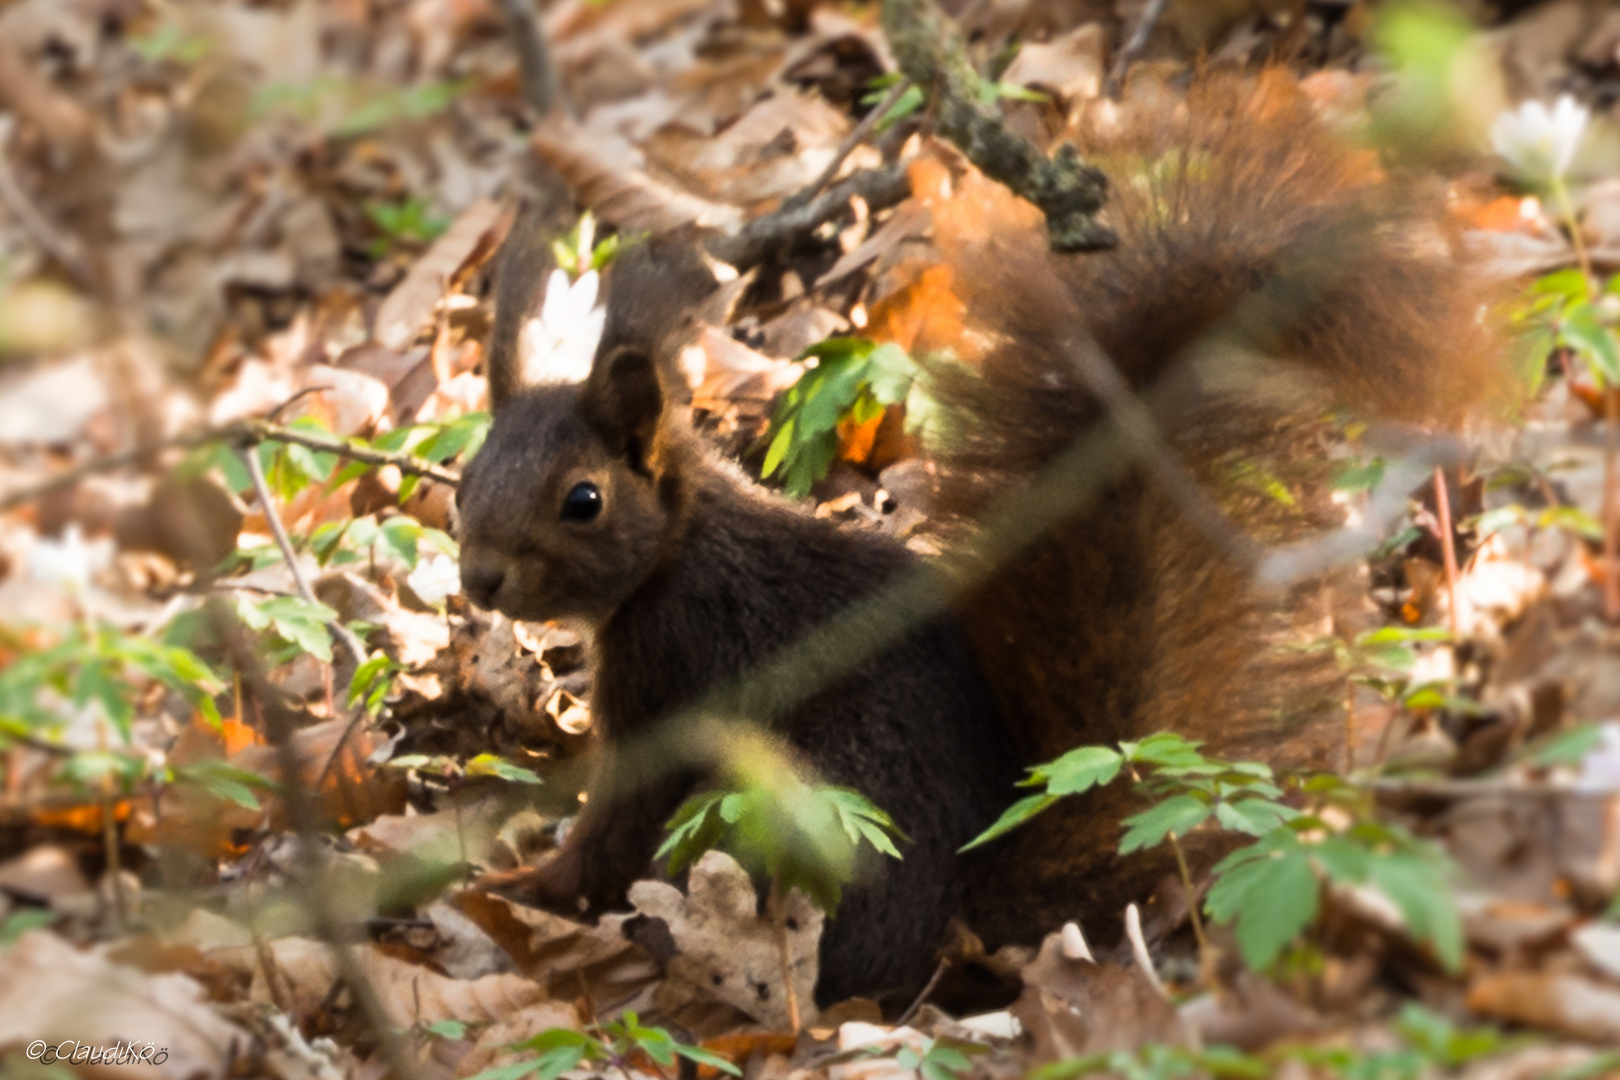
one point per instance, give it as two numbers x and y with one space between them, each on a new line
1538 143
434 579
69 563
1600 769
558 346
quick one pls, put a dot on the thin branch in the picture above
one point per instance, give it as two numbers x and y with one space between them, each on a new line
260 431
537 69
1115 82
1476 789
927 991
1069 192
313 880
241 433
1136 423
764 236
1448 549
261 488
851 141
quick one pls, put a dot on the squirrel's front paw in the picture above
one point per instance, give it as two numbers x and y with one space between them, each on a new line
548 886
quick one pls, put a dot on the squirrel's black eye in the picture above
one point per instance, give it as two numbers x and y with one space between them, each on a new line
582 503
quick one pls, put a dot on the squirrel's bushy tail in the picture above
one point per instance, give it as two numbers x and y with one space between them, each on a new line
1273 285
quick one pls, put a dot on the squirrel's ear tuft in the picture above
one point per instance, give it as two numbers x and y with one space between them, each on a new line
520 268
623 401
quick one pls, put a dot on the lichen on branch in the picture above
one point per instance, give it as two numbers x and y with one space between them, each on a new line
1067 190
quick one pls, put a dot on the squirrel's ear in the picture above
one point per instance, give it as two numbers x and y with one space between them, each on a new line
523 264
623 401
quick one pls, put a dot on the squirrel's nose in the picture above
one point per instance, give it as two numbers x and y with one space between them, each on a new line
481 583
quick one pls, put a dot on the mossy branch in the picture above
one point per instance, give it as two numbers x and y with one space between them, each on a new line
1067 190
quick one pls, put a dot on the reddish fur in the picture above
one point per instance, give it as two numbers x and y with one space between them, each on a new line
1265 275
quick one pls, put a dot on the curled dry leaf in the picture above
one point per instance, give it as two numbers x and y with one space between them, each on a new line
51 991
409 308
411 993
619 193
724 948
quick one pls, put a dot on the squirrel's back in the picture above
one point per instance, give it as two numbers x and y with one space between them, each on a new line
1270 286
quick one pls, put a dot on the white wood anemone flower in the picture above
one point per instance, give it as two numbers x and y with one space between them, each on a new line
1539 144
434 579
558 345
70 563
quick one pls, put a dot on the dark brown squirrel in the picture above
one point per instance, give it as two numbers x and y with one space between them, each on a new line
1268 278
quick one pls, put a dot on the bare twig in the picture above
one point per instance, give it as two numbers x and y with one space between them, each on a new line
847 147
1448 549
923 995
536 68
1136 423
267 502
1068 191
778 906
259 431
1476 789
312 880
1133 48
240 433
763 236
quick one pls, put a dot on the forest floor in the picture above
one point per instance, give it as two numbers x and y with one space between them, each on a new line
245 260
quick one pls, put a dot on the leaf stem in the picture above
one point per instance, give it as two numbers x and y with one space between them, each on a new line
1611 425
779 916
1206 954
1448 549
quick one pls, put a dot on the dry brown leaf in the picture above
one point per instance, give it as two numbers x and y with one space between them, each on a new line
732 372
725 949
1071 66
44 873
494 1042
576 961
408 310
621 194
50 992
411 993
1075 1007
1570 1004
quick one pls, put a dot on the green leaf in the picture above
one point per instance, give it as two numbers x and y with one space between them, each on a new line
1080 770
1421 892
400 534
21 921
225 781
491 765
1571 283
1014 816
707 1057
780 444
1582 329
1269 900
1176 816
1166 749
1568 747
447 1029
1256 817
1363 476
696 827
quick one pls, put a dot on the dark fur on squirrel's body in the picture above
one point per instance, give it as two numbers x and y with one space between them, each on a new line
704 580
1265 277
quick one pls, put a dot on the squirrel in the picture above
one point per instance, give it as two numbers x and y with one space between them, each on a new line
1270 283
